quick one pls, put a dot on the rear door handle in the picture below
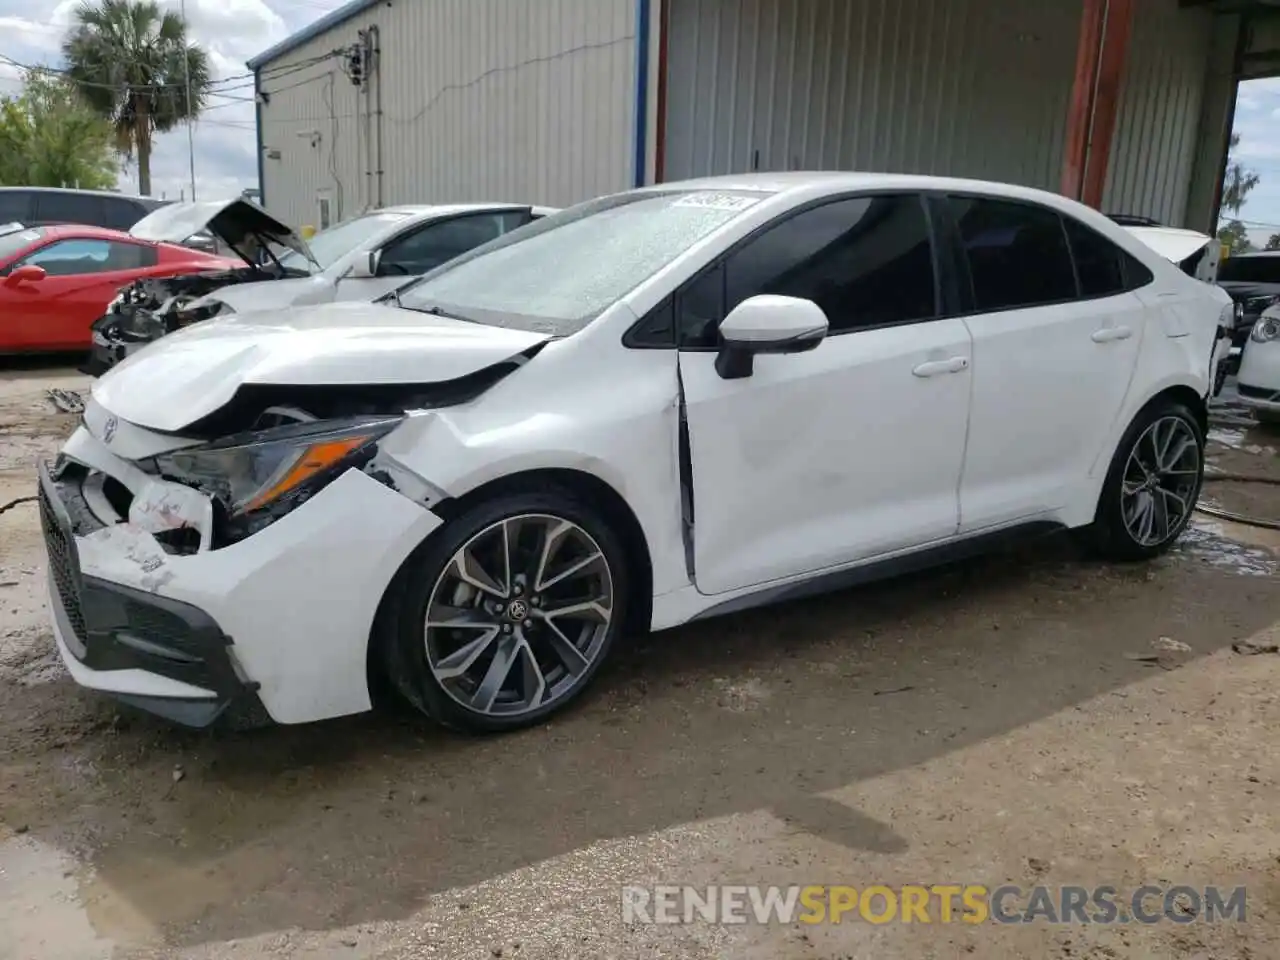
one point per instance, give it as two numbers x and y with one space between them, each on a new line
1107 334
935 368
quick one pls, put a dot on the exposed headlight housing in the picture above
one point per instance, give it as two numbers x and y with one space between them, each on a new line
257 477
1265 330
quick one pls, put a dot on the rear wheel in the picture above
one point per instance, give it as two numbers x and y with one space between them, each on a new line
508 613
1152 485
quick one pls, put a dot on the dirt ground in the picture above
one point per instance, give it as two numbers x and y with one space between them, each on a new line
1029 718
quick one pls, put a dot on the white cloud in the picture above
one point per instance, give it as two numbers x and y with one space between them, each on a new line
232 31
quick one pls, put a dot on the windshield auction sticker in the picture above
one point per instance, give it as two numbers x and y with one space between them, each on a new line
717 201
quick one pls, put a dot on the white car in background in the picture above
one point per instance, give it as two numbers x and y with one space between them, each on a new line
1258 382
653 407
357 259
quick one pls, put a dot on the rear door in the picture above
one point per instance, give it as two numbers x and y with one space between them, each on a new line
1055 343
82 276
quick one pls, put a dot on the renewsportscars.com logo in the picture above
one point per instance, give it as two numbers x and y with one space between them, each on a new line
939 903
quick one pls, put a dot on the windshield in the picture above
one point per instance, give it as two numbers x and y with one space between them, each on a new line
337 241
1249 270
559 274
13 241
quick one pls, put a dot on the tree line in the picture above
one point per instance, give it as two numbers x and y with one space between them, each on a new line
130 73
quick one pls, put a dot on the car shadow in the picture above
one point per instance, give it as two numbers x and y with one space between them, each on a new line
363 819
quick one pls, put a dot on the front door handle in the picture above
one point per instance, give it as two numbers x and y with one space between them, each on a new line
1107 334
935 368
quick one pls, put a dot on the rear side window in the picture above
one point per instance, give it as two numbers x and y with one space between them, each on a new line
1099 262
121 214
1017 253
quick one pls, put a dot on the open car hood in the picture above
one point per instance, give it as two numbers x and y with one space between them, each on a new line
191 374
237 223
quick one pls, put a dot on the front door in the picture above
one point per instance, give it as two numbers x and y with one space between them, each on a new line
851 451
82 276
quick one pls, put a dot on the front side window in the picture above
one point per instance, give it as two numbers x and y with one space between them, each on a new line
15 207
558 274
16 240
330 245
866 262
440 242
65 258
1017 253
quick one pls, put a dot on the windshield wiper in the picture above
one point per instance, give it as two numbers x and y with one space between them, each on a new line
435 311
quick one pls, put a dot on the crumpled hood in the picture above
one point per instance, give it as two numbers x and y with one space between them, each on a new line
234 222
192 373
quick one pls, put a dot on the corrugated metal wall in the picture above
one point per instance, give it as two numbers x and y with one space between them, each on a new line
526 100
1158 125
973 88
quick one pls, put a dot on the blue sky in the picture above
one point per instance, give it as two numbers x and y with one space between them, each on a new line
235 30
1258 123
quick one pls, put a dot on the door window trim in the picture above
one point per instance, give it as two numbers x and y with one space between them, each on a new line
967 305
634 338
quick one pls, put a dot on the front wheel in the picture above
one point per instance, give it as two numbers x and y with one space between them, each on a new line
1152 485
507 613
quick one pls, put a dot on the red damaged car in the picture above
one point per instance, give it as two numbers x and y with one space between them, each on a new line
55 281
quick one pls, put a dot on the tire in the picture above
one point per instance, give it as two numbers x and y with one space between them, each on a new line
435 581
1109 535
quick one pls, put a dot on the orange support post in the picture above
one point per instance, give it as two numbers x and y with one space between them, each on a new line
1082 89
1100 59
1106 102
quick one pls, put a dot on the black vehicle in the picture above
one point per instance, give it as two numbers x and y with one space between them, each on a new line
1253 280
46 206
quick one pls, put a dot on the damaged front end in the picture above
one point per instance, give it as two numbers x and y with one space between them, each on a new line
153 307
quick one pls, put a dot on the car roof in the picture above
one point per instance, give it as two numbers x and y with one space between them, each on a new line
64 230
836 181
87 193
453 209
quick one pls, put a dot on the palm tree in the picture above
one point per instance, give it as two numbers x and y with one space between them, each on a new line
131 65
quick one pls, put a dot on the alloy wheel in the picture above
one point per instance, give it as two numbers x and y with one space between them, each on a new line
518 615
1160 481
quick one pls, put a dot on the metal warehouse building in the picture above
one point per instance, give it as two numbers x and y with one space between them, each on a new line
1126 104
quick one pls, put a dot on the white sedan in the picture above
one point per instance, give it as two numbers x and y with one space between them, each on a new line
650 408
1258 382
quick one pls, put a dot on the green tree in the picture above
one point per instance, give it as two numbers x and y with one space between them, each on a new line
1273 242
49 137
1239 180
131 64
1236 237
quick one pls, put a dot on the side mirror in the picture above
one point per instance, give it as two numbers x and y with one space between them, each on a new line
767 324
27 273
365 266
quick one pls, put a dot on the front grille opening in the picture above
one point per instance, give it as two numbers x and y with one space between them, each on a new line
118 495
183 540
62 566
